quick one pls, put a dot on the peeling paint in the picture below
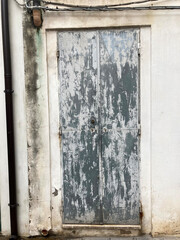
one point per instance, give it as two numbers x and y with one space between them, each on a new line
119 115
98 72
78 74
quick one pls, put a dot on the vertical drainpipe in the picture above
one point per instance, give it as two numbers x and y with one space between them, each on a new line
9 118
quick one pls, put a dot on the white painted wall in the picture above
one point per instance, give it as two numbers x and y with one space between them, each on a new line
3 151
160 54
16 41
160 84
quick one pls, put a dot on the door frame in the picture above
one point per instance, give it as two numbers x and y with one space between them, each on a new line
55 138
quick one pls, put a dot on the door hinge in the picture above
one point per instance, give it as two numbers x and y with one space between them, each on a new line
140 208
62 207
139 129
60 131
139 48
140 212
57 54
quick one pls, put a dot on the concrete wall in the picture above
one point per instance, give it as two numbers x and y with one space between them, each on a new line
36 120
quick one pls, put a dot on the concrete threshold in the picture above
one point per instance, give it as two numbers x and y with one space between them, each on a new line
144 237
81 226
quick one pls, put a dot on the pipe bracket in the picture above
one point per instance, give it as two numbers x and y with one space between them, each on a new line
13 205
9 91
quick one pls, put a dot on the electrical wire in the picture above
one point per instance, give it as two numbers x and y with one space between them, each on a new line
107 9
97 6
87 7
19 4
62 7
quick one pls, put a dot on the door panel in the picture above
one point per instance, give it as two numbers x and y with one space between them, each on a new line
121 177
80 173
99 109
119 78
119 118
78 104
78 78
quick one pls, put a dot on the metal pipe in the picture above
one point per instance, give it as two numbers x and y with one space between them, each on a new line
9 118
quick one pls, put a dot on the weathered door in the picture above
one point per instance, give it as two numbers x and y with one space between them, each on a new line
99 109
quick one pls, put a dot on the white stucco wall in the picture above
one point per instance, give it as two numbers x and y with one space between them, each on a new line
160 61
